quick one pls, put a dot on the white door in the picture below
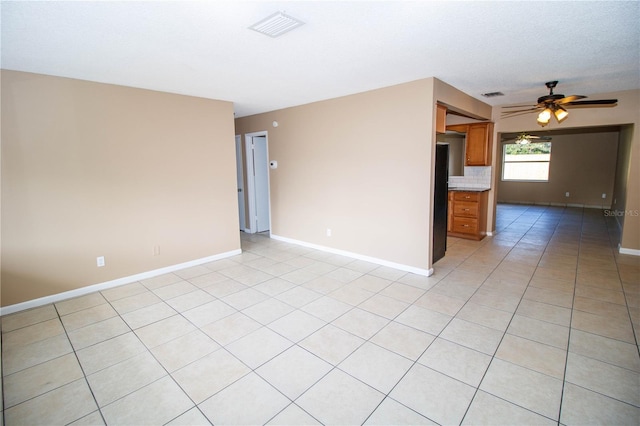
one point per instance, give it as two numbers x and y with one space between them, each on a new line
239 174
261 176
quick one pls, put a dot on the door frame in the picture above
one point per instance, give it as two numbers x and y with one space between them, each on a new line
251 187
241 171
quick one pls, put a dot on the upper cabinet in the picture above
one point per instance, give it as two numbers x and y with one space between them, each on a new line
477 142
441 118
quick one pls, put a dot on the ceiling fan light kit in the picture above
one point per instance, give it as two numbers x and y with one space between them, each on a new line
554 104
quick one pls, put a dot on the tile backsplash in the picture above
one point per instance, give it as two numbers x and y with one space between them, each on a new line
474 177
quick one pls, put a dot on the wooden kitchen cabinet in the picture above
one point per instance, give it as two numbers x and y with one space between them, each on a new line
467 214
441 118
477 142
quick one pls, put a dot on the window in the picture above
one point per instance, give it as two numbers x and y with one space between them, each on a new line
529 162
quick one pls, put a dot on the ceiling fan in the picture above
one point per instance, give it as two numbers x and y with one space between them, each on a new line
525 138
556 104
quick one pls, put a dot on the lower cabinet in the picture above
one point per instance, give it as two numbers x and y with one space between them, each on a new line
467 214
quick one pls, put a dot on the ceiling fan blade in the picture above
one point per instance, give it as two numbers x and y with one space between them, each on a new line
568 99
520 110
594 102
517 113
518 106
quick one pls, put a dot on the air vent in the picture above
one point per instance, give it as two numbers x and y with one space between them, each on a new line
492 94
276 25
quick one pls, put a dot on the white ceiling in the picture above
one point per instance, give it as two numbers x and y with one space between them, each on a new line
206 49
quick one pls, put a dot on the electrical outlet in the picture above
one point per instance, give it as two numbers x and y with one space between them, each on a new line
604 195
156 250
100 261
566 194
328 232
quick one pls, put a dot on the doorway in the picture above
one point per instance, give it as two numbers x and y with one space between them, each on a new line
256 148
240 182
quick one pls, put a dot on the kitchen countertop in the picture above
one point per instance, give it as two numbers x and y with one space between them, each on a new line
467 189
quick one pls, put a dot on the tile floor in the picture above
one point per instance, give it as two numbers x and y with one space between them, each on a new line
537 325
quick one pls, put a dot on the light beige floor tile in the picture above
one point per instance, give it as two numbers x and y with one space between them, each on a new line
105 354
391 412
254 278
21 357
293 416
28 317
298 296
332 344
244 298
552 297
137 301
326 308
296 325
606 379
53 407
403 340
208 313
231 328
193 417
298 276
127 376
361 323
487 409
32 333
230 405
459 362
174 290
440 303
599 307
148 315
88 316
351 295
268 310
189 301
424 319
539 331
533 355
486 316
122 291
545 312
157 403
160 281
224 288
614 328
403 292
371 283
496 300
39 379
179 352
473 336
274 286
344 275
384 306
80 303
434 395
340 399
604 349
581 406
362 266
379 368
210 279
164 331
258 347
219 367
92 419
98 332
387 273
323 284
192 272
271 267
294 371
527 388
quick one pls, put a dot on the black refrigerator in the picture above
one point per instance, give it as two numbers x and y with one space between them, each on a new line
440 202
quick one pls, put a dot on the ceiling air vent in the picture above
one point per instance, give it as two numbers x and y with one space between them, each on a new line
276 25
492 94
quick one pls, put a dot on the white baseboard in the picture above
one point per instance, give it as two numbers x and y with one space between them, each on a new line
632 252
382 262
113 283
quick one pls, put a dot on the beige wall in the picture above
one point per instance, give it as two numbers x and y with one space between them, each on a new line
582 164
359 165
93 170
624 114
623 165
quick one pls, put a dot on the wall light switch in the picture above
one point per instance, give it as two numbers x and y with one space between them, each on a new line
604 195
328 232
100 261
566 194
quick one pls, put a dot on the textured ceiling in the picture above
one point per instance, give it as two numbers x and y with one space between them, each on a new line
206 49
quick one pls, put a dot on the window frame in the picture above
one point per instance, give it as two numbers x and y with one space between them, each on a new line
504 162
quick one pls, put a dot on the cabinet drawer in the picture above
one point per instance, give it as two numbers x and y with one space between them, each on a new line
465 225
465 208
466 196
